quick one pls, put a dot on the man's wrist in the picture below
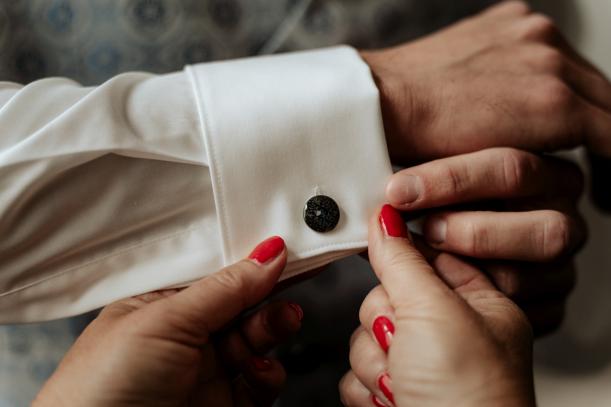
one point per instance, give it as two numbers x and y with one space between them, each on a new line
395 102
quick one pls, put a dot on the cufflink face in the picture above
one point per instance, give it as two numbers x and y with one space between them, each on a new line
321 213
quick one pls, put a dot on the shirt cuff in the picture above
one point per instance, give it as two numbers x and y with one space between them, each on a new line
279 130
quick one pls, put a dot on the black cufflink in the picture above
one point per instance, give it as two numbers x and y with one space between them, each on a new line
321 213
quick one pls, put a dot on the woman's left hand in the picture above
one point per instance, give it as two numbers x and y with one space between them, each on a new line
182 348
436 332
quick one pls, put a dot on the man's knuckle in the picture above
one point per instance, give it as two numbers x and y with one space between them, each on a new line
517 167
508 283
539 27
555 235
517 7
456 179
555 97
476 239
551 60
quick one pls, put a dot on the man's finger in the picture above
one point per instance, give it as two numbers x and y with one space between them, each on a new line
592 86
495 173
540 235
528 282
215 300
597 126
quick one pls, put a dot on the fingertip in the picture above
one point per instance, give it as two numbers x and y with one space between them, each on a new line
297 311
269 256
404 190
260 383
393 191
435 229
403 271
259 363
268 250
391 223
285 319
264 372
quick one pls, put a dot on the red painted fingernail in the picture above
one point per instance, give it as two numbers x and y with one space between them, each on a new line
260 363
298 310
267 250
384 383
376 401
391 222
383 330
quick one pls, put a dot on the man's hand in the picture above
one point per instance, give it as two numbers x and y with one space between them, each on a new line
505 77
183 348
513 212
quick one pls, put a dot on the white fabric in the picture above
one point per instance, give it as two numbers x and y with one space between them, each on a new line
148 182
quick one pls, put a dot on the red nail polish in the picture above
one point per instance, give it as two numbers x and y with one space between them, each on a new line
376 401
384 383
298 310
267 249
260 363
383 329
392 223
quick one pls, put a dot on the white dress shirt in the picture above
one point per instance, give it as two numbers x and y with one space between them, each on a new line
149 182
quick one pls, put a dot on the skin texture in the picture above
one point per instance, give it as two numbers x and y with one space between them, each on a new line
502 78
511 212
458 341
505 77
182 348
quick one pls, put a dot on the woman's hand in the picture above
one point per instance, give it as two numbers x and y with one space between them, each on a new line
451 339
513 212
184 348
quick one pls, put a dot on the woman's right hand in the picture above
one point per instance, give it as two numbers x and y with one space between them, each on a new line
430 339
192 347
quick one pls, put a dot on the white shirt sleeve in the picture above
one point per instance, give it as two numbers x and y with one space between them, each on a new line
149 182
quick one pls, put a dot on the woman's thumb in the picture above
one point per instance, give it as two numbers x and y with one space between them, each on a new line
215 300
403 271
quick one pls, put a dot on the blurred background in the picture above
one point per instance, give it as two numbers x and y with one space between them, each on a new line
93 40
573 366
